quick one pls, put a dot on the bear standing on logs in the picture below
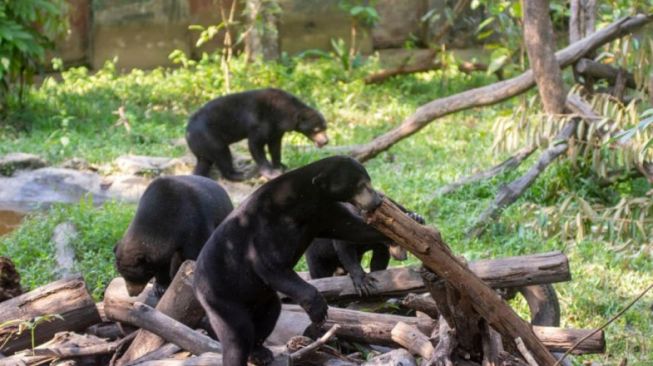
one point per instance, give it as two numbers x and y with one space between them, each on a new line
251 255
261 116
175 217
325 256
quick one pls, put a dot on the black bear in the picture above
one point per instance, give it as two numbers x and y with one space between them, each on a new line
325 256
262 116
174 218
251 255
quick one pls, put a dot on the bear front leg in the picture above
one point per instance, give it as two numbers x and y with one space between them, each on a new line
288 282
348 256
257 149
275 153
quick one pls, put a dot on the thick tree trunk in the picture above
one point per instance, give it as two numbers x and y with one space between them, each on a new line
493 93
426 243
582 19
67 298
179 303
540 45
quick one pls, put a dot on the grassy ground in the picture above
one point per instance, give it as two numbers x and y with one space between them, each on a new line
75 118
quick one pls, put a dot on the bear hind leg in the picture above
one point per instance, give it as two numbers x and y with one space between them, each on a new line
265 318
234 327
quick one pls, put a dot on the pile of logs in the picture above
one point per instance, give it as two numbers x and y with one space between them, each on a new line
445 316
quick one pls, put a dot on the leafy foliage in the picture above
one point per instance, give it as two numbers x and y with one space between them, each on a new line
27 29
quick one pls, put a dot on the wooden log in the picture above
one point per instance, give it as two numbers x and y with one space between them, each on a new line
494 93
422 303
67 298
597 70
499 273
427 244
164 351
87 349
179 303
412 339
374 328
164 326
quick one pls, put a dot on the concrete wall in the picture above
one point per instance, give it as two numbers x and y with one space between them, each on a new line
142 33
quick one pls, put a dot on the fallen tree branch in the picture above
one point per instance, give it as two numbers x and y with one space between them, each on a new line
515 271
510 193
146 317
494 93
298 355
427 245
597 70
525 353
511 163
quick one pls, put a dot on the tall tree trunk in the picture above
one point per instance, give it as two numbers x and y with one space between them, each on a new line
540 45
582 19
262 37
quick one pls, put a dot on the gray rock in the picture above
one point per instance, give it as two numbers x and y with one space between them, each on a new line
153 166
63 237
40 188
398 357
13 162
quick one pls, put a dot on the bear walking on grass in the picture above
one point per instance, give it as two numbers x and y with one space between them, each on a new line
175 217
251 255
262 116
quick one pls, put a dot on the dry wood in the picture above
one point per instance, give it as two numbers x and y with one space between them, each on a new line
206 359
373 328
164 351
424 304
166 327
426 243
499 273
597 70
321 355
64 345
303 352
179 303
493 93
492 346
525 352
509 164
68 298
412 339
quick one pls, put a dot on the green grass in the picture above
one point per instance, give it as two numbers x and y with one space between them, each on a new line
74 118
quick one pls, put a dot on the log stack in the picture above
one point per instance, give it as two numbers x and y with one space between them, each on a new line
434 319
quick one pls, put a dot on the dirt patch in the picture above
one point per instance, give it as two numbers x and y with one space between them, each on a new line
9 221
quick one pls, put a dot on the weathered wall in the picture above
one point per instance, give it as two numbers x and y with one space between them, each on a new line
142 33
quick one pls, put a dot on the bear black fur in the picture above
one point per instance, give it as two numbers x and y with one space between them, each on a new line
325 256
251 255
262 116
175 217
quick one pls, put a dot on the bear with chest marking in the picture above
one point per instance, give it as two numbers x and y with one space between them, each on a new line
251 255
174 218
262 116
325 256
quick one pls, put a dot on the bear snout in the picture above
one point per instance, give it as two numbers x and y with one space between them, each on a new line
320 138
367 199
